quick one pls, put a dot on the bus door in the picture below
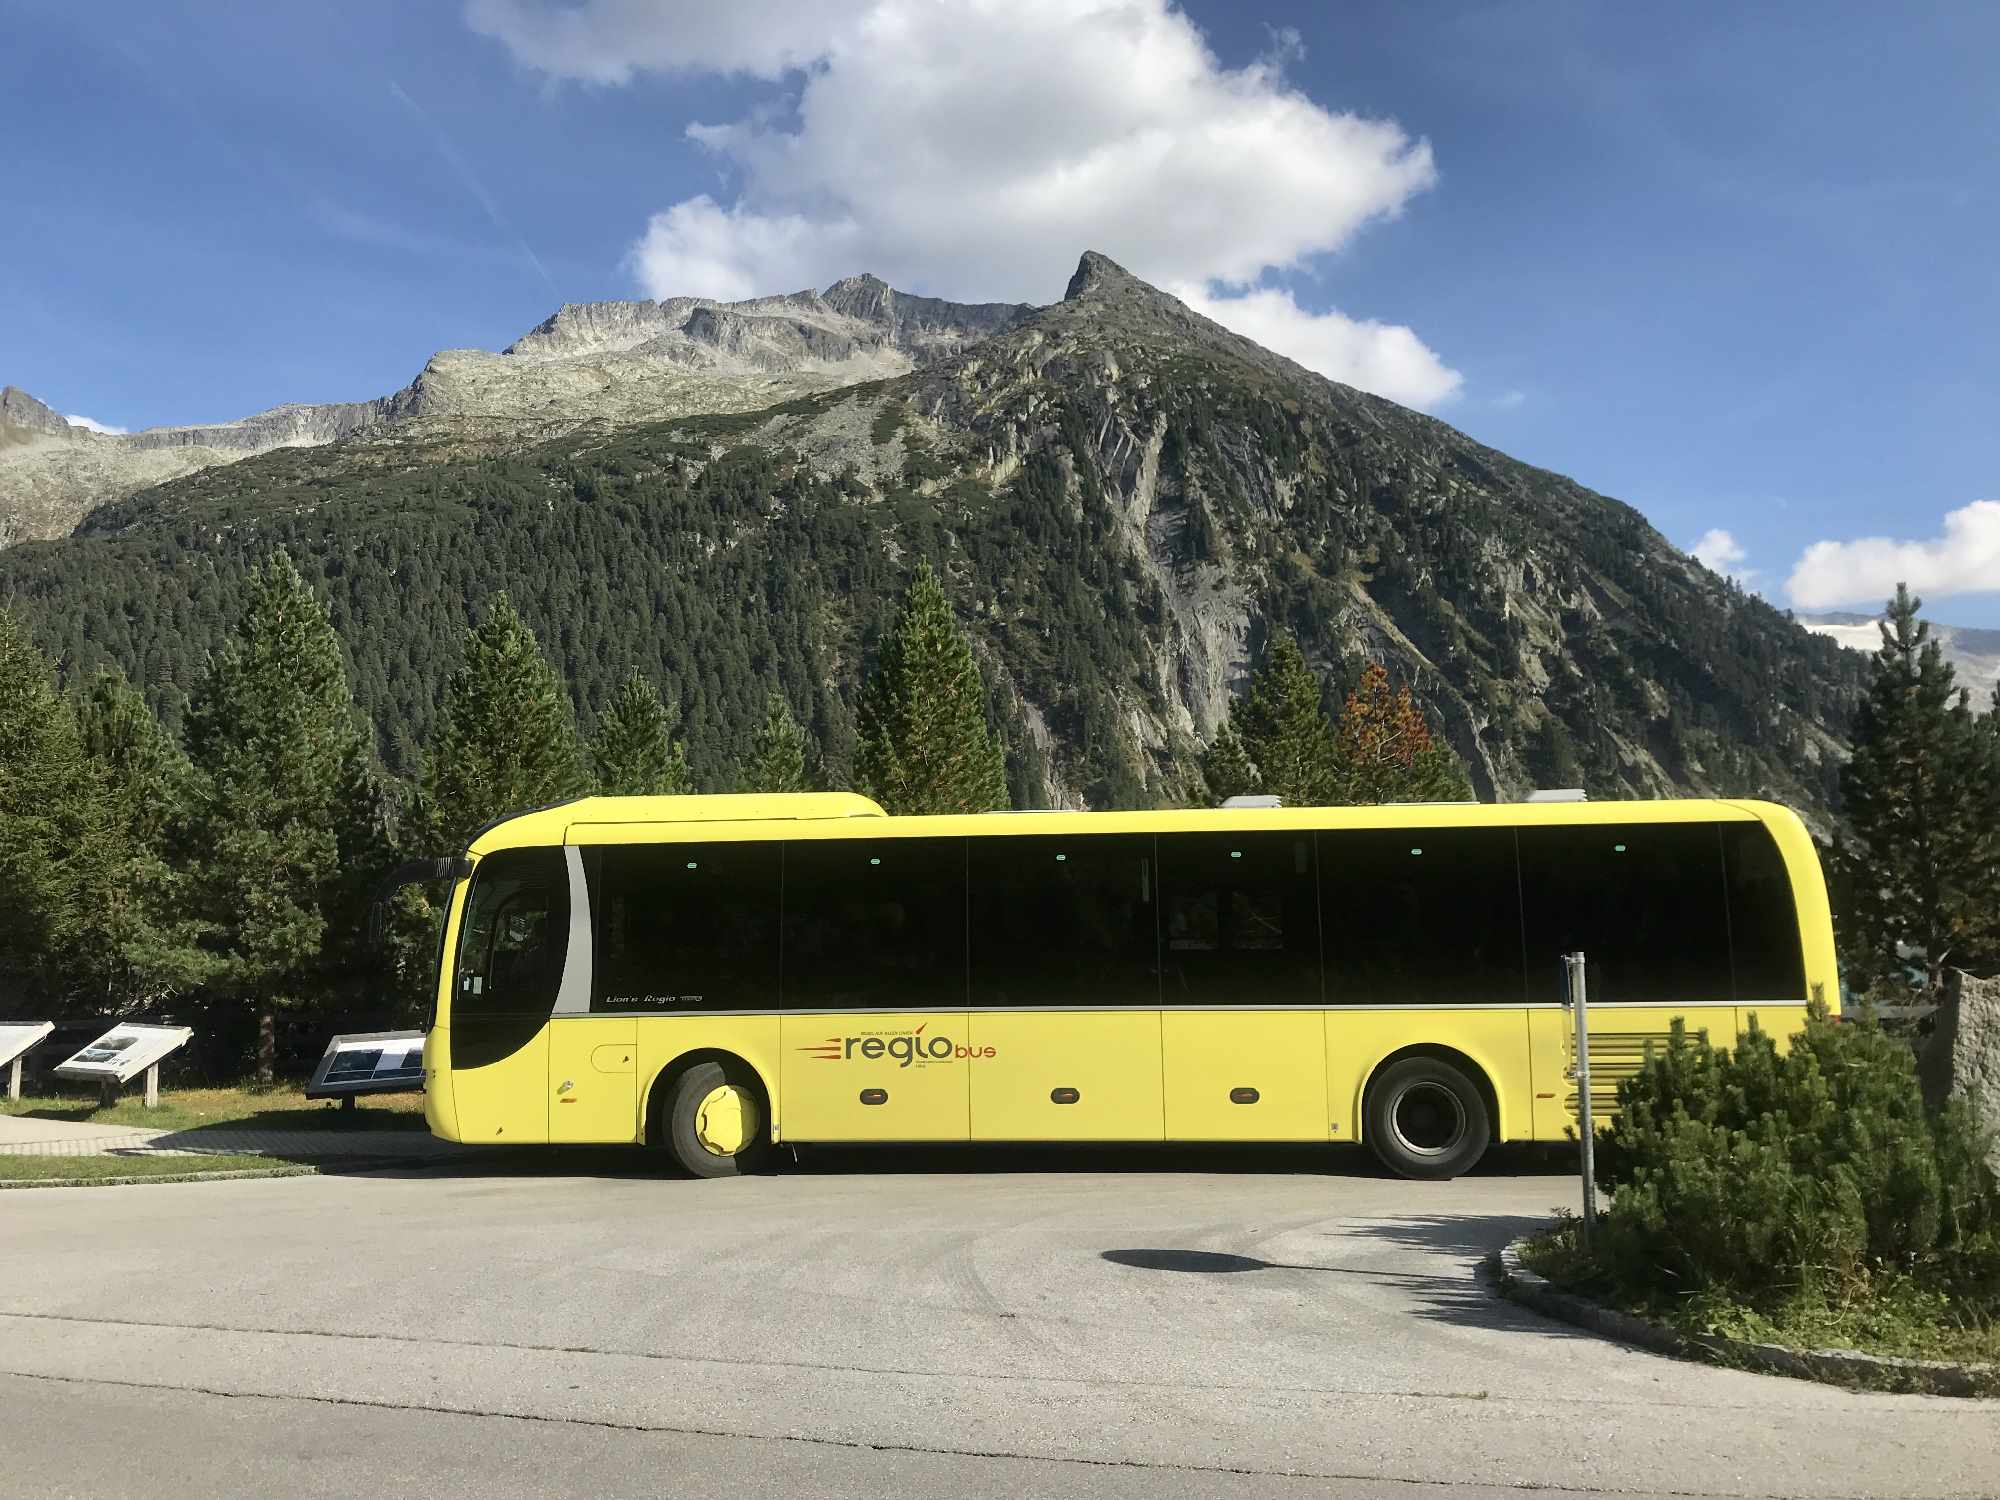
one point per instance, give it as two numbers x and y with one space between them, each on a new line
873 1039
513 947
1243 1038
1065 988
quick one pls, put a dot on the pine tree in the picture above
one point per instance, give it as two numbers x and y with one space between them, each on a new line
277 748
924 745
506 737
635 753
1226 766
1283 731
54 834
1915 798
1983 939
780 751
1384 749
147 934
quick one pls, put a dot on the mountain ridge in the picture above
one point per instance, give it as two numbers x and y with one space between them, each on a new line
1973 653
622 359
1127 498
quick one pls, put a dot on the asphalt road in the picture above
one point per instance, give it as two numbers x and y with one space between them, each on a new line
1138 1324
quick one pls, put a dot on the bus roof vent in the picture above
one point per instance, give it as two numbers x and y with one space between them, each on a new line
1266 799
1559 794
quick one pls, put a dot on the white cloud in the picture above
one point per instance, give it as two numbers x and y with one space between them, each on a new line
1965 560
1720 552
1385 358
973 148
698 248
1509 400
1718 549
91 424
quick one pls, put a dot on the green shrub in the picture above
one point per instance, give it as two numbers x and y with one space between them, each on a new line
1765 1176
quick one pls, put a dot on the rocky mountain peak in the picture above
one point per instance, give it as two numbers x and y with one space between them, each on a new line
864 296
19 409
1097 273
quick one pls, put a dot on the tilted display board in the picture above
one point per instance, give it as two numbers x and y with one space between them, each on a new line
370 1062
17 1037
124 1052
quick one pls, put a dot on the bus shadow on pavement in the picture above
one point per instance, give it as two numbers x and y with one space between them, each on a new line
1229 1159
1120 1158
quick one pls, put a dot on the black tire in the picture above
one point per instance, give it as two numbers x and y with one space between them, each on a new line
1426 1119
681 1128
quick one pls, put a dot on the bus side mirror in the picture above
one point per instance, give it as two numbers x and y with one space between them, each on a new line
413 872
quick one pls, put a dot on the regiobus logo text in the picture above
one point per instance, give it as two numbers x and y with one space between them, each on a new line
903 1047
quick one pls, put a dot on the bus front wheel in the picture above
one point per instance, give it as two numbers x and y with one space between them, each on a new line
715 1124
1426 1119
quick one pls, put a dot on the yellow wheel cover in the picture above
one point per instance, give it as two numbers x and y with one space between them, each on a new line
726 1121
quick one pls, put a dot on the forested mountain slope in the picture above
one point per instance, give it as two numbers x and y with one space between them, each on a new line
1125 499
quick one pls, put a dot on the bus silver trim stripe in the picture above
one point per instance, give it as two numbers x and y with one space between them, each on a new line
573 996
1012 1010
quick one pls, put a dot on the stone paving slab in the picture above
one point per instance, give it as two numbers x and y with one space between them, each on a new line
18 1132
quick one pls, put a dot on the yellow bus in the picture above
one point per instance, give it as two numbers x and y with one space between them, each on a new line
716 976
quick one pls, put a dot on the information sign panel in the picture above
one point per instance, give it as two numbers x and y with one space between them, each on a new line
369 1062
124 1052
17 1037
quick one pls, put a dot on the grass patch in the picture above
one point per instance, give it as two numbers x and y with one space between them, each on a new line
110 1168
1892 1316
283 1107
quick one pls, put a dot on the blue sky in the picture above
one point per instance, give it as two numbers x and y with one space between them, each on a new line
1730 264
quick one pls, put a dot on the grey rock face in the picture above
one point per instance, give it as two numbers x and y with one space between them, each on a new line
297 425
1962 1057
25 414
923 325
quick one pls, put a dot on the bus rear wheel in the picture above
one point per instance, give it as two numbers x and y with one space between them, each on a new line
715 1123
1424 1118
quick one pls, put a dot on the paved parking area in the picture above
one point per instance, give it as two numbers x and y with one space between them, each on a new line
1144 1323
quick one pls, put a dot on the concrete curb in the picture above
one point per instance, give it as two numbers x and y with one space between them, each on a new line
1835 1366
289 1169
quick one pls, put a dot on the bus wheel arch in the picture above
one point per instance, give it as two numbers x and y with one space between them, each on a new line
1449 1098
711 1110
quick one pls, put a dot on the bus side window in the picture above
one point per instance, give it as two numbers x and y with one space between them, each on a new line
1063 921
874 924
1421 916
1239 919
686 927
1763 918
1645 902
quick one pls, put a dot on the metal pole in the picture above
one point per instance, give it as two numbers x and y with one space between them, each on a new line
14 1079
153 1087
1580 1002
